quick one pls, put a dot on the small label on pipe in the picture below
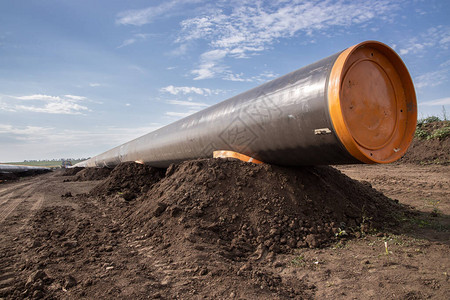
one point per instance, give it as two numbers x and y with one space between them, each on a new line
321 131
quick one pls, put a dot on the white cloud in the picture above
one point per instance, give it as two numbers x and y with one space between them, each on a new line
432 38
39 97
67 104
175 90
65 108
235 77
210 64
137 68
138 37
34 142
25 130
139 17
432 79
247 28
76 98
187 103
180 50
437 102
263 77
94 84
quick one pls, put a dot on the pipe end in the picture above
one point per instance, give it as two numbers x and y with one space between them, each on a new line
372 103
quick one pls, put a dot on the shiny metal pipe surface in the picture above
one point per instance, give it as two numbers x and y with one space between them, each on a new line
356 106
5 168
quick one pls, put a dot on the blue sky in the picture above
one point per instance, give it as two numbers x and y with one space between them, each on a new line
80 77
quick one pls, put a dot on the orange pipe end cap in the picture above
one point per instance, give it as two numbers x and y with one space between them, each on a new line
372 103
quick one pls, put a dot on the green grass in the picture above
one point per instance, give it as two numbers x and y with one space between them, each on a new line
432 128
42 163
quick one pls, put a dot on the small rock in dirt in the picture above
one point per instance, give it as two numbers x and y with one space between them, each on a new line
88 282
69 282
129 196
36 244
39 274
165 282
69 244
161 207
38 294
244 268
279 264
175 211
260 251
170 170
313 240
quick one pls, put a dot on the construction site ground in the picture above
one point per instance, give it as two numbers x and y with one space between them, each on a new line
81 237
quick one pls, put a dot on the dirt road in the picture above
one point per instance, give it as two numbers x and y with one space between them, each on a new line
19 203
56 242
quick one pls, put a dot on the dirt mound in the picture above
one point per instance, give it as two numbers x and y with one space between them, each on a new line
240 209
8 177
431 144
88 174
72 171
223 229
4 177
129 179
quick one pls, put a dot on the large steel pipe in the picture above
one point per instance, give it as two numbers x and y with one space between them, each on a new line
357 106
5 168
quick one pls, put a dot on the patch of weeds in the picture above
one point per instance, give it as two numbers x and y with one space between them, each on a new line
428 120
440 133
364 227
426 129
421 222
421 134
433 204
395 239
299 261
340 245
435 212
372 243
341 233
425 223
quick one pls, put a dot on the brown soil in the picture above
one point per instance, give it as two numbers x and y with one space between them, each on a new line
5 177
220 229
72 171
426 149
129 178
81 174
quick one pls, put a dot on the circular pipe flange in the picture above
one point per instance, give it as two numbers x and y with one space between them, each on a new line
372 103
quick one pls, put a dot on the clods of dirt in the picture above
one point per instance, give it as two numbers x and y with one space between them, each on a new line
90 174
129 179
72 171
5 177
217 229
431 144
245 209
